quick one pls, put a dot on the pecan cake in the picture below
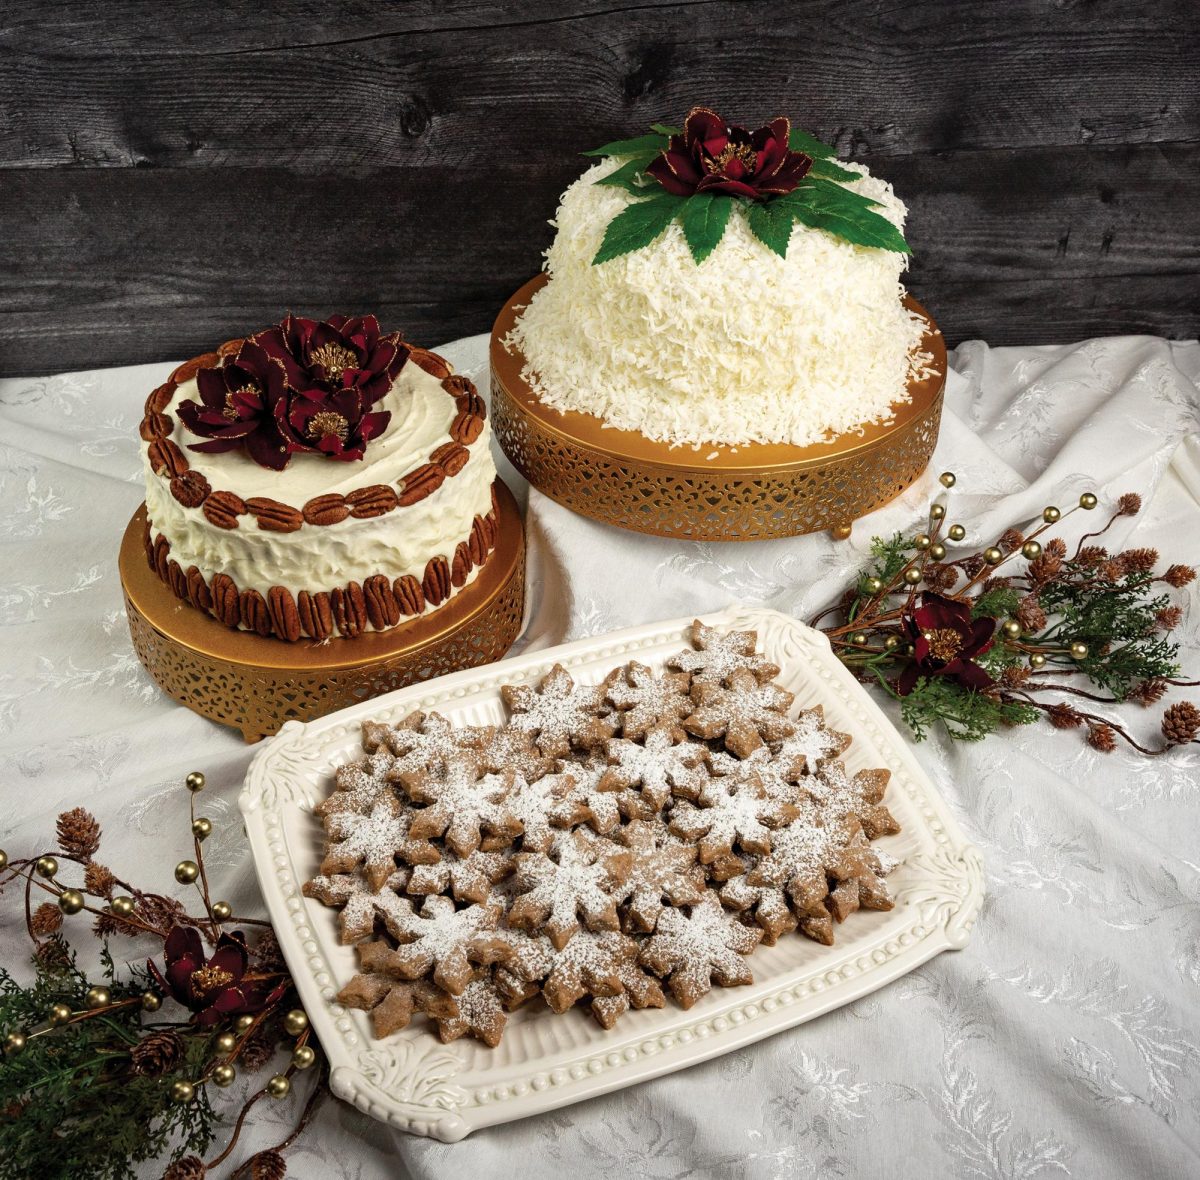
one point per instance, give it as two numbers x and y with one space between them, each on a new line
317 480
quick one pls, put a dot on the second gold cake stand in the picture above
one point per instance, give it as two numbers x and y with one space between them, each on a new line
749 493
255 684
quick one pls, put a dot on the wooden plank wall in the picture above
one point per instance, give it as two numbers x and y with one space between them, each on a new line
172 174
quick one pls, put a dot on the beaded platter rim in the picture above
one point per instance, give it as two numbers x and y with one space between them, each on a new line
415 1083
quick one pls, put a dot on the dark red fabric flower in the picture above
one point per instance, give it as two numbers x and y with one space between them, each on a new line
216 986
945 641
341 353
336 424
243 403
713 156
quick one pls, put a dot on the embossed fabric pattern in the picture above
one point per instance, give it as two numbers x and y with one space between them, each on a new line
1063 1041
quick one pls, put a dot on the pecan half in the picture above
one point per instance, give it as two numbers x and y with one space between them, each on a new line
226 602
223 508
466 428
162 547
166 458
316 617
409 595
349 610
285 619
197 588
189 369
461 566
472 403
382 608
155 425
451 457
190 489
422 482
147 543
487 531
177 580
330 509
436 583
430 362
374 500
160 398
230 347
274 516
495 503
255 616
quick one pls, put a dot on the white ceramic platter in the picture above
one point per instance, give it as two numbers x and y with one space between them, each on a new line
414 1082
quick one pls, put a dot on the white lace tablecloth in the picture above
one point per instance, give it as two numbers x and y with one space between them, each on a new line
1065 1039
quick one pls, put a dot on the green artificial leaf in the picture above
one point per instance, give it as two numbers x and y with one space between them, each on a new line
825 194
663 129
862 227
705 216
626 176
637 225
771 224
828 170
640 146
801 141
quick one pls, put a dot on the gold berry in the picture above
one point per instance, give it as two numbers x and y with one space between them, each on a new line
1051 515
937 511
244 1022
295 1022
909 650
58 1015
1079 650
201 828
97 997
3 860
279 1086
891 643
912 576
121 906
1012 629
874 585
956 532
46 867
1031 549
1088 501
151 1001
182 1092
186 871
14 1043
1037 660
840 532
921 541
70 901
947 479
225 1043
858 639
195 781
992 555
221 910
937 551
303 1056
224 1075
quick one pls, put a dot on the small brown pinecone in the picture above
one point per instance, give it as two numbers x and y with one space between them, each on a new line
972 565
1092 555
1011 539
1148 692
1112 570
266 951
1169 617
53 954
1056 547
46 919
1130 504
1140 561
78 833
157 1053
1015 676
1044 567
1063 717
257 1051
939 576
268 1165
99 880
1181 723
190 1167
162 912
1103 738
1030 614
1179 576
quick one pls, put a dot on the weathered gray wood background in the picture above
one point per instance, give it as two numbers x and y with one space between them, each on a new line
173 173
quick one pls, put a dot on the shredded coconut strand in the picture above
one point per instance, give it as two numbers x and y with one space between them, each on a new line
744 347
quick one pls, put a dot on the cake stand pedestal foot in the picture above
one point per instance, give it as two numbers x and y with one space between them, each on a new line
841 532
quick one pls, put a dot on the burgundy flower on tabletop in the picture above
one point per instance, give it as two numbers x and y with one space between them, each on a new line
342 352
713 156
216 986
945 641
336 424
243 403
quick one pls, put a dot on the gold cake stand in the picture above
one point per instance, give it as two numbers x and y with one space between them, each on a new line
749 493
255 684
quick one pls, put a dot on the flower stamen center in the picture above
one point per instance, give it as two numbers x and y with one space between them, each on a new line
742 152
333 360
328 422
231 411
209 979
944 643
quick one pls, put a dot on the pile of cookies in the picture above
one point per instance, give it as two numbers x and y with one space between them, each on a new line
606 841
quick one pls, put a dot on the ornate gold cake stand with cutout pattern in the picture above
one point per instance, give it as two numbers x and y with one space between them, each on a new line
256 684
716 493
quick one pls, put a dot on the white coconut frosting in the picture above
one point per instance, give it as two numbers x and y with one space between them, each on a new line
322 557
743 347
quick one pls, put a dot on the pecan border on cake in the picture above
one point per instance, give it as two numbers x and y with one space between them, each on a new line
222 509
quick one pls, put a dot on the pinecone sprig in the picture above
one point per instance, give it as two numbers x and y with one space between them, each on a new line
99 880
47 919
158 1053
1181 723
268 1165
78 833
189 1167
